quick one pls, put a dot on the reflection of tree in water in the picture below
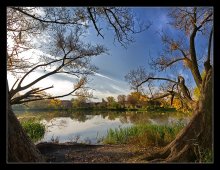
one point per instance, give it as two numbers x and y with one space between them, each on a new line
80 116
144 117
39 115
147 117
103 114
47 115
55 122
86 115
112 115
53 114
124 119
137 117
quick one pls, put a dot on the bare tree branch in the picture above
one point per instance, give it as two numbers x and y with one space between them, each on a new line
54 97
156 78
163 63
43 20
161 96
14 84
207 62
113 25
40 65
35 95
94 22
204 21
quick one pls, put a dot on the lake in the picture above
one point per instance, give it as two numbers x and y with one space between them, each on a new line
91 126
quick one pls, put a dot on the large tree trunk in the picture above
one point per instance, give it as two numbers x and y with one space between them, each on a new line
20 147
196 136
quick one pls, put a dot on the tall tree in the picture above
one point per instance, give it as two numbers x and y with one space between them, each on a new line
111 101
133 99
122 100
63 53
82 98
197 135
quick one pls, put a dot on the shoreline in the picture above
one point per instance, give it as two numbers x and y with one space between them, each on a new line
85 153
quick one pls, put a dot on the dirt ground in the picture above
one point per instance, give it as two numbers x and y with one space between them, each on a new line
83 153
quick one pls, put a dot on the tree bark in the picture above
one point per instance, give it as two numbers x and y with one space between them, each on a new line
194 68
20 147
196 136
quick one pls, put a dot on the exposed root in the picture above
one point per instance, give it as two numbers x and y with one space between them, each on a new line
198 131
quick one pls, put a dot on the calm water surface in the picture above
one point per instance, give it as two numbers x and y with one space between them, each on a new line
91 127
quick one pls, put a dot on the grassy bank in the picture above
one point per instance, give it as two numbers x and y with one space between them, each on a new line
143 134
35 130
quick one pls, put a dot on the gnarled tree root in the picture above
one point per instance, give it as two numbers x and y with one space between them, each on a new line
182 148
197 133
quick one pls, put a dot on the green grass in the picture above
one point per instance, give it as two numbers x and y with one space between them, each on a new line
35 130
143 134
207 156
203 155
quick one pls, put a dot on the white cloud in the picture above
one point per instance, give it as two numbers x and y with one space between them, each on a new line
104 76
103 86
119 89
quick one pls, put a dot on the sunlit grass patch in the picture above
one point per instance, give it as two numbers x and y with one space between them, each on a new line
143 134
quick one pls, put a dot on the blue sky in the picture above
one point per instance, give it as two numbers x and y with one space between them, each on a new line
121 60
114 66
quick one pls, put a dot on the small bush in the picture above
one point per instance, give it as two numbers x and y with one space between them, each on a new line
35 130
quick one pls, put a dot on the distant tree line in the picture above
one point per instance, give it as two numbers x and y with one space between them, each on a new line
134 100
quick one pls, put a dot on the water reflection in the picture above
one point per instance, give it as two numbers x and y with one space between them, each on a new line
89 131
91 126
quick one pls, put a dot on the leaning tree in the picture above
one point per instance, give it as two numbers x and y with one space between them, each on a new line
56 35
196 137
